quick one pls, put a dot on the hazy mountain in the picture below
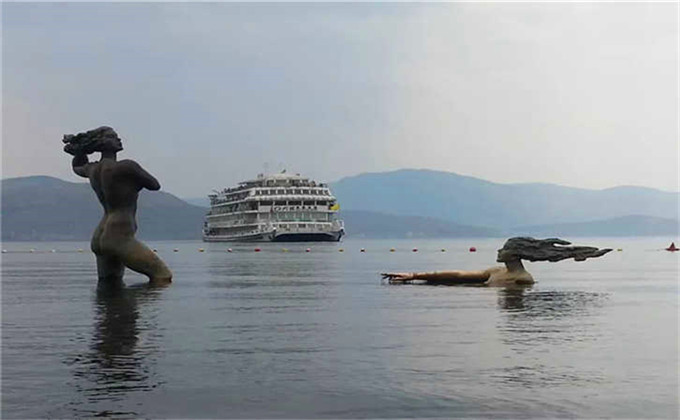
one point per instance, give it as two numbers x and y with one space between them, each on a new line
472 201
46 208
380 225
198 201
390 205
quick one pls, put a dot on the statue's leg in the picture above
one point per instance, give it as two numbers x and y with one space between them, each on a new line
138 257
110 269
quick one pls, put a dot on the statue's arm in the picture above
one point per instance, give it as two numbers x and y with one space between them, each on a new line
81 165
145 179
439 276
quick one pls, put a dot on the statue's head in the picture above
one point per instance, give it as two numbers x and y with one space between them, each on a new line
551 249
102 139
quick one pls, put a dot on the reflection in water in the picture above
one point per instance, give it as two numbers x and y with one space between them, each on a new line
536 321
523 302
116 364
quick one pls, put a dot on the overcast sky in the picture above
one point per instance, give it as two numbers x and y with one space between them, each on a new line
206 95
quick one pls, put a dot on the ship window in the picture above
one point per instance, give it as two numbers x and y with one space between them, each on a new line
280 191
265 203
305 191
298 191
294 203
321 203
302 225
279 203
309 203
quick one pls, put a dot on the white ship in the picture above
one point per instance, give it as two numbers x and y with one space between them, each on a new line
274 208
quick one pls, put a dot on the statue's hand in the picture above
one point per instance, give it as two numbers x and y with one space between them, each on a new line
398 276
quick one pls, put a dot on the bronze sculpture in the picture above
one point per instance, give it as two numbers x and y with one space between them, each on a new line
117 185
513 273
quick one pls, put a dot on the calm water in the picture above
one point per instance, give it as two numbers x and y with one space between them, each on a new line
316 335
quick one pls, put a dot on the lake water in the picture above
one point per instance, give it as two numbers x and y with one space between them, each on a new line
316 335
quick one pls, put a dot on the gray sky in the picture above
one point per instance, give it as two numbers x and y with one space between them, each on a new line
204 95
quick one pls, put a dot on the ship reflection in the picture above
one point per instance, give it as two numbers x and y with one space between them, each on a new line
116 364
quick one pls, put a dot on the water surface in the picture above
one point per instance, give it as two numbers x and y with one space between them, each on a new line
315 334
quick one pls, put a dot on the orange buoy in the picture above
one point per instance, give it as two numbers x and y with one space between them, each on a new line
228 249
415 249
341 250
362 250
672 247
175 250
392 249
473 249
308 250
257 250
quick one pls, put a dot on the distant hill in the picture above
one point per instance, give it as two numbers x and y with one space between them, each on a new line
402 204
619 226
472 201
41 208
380 225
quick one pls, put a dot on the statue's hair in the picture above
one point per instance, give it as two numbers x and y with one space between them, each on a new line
88 141
551 249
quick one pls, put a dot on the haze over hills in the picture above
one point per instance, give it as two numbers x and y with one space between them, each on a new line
44 208
472 201
406 203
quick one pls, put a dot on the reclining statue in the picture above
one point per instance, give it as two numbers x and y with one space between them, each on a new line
513 273
117 185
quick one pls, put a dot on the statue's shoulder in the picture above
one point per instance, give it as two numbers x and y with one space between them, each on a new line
128 164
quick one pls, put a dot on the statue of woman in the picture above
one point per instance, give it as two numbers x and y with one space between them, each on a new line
513 272
117 185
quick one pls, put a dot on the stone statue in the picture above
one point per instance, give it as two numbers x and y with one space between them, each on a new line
513 273
117 185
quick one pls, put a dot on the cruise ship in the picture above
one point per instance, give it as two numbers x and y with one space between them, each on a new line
274 208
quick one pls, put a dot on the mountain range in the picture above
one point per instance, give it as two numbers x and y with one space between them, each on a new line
472 201
404 203
42 208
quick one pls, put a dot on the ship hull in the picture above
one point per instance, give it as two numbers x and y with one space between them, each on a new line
282 237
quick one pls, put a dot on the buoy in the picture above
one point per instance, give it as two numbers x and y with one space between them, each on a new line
619 249
284 249
80 249
308 250
473 249
672 247
31 250
341 250
54 250
175 250
155 250
443 250
257 250
201 250
415 249
362 250
4 251
392 250
228 249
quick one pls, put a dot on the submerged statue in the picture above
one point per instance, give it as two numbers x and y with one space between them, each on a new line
513 273
117 185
